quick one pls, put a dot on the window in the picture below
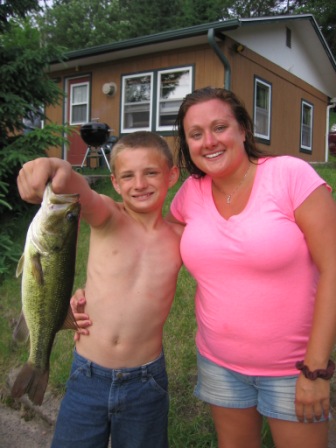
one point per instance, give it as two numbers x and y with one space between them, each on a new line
173 86
288 37
33 120
306 126
136 107
262 109
79 103
150 101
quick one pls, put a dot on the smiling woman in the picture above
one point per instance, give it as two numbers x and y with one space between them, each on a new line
254 225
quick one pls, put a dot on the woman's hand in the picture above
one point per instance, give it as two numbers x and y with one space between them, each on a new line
312 399
83 321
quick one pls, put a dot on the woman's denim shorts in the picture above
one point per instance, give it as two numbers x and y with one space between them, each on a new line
273 397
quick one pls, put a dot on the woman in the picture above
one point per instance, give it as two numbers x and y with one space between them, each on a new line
260 240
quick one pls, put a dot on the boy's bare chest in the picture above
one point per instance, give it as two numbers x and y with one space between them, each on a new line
130 249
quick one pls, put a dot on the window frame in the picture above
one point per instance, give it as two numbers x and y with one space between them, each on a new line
266 137
154 101
189 69
123 128
87 103
303 147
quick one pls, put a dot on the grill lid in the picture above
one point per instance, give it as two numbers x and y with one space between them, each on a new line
95 134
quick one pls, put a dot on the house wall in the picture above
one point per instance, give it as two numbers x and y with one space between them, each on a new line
208 71
287 91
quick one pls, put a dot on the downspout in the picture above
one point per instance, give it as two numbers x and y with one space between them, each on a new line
331 105
213 44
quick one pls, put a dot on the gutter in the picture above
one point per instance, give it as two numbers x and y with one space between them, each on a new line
227 68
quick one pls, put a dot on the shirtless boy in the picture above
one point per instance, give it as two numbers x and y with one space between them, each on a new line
118 382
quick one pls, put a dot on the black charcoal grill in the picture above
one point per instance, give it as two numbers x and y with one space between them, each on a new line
95 135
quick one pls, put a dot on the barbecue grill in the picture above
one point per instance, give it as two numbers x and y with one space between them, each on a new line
95 135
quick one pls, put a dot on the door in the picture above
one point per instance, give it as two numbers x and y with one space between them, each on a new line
77 114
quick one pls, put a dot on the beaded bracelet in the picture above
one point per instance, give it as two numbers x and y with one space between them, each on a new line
325 374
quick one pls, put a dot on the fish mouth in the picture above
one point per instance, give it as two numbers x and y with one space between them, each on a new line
65 198
60 199
213 155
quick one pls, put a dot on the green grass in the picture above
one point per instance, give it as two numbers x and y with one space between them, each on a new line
328 172
190 422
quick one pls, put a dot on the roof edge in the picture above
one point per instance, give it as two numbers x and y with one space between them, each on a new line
193 31
289 17
164 36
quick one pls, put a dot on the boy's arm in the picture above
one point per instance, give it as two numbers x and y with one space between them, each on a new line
34 176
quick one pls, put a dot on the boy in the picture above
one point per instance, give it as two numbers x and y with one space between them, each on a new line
118 381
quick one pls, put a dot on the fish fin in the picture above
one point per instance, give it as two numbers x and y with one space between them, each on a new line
21 330
37 270
32 381
19 268
70 321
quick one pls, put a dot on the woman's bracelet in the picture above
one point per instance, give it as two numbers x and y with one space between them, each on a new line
325 374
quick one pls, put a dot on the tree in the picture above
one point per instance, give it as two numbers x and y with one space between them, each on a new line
196 12
77 24
15 9
25 89
148 17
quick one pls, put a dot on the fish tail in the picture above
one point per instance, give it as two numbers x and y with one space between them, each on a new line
32 381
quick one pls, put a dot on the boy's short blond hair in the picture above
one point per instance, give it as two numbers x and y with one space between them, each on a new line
142 139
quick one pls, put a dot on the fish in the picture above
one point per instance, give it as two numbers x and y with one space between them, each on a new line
47 266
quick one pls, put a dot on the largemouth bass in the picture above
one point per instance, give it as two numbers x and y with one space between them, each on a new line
48 269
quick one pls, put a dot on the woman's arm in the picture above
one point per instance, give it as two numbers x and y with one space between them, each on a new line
316 217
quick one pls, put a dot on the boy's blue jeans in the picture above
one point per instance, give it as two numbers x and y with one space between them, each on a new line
129 404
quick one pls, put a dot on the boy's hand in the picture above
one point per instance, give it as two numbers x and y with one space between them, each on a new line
34 176
77 304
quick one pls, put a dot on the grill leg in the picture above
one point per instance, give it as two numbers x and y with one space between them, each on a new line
105 158
86 155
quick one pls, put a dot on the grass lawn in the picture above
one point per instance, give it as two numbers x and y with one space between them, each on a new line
190 423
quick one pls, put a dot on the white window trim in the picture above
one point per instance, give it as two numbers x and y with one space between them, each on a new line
154 102
72 86
158 99
266 136
122 122
302 145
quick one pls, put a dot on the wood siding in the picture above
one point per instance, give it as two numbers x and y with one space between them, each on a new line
287 91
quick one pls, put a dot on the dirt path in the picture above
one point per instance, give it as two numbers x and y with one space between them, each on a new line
16 432
33 426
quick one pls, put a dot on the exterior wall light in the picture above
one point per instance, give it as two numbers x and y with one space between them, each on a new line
109 88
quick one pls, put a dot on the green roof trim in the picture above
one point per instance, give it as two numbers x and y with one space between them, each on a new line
165 36
193 31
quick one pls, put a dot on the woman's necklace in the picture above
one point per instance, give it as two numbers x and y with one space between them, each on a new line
229 196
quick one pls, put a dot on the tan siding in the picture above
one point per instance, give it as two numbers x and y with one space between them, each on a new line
287 90
287 93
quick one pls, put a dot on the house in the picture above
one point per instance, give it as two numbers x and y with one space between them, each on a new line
280 66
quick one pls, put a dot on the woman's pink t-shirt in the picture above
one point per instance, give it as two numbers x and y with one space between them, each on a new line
256 281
